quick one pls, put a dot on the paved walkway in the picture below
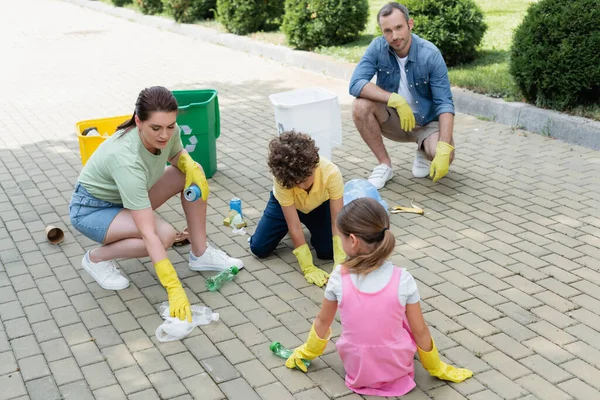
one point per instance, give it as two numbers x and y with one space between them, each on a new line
507 255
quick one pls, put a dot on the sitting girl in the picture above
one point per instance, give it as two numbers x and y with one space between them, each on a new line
382 322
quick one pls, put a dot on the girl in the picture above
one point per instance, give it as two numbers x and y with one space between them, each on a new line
122 184
307 189
382 323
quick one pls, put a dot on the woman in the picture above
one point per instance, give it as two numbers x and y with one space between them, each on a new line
122 184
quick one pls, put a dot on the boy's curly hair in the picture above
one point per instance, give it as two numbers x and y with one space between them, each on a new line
293 156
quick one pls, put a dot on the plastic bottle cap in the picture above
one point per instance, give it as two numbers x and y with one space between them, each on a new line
273 346
234 270
214 316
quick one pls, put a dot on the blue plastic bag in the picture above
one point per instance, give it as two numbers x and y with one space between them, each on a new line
357 188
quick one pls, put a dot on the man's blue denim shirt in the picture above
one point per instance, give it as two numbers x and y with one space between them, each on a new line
426 73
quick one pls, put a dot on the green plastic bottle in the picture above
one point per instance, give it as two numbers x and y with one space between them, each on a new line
284 352
216 282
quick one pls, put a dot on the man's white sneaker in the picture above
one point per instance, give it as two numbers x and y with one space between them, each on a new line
421 165
105 273
380 175
213 260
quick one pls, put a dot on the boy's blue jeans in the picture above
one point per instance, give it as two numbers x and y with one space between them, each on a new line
272 227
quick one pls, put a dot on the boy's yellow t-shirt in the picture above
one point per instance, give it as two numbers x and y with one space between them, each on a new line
328 184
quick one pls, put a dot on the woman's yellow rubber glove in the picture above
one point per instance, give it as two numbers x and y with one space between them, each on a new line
313 348
193 174
405 113
339 256
441 161
436 367
179 305
311 273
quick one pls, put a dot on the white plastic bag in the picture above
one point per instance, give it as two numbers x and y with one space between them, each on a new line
175 329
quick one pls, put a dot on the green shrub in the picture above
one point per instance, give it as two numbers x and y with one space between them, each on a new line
247 16
554 55
150 7
456 27
121 3
309 24
188 11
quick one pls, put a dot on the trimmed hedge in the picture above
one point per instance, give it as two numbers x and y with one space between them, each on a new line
456 27
121 3
247 16
187 11
309 24
554 56
150 7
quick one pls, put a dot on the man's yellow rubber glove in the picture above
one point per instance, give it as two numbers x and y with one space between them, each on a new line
432 363
311 273
339 256
441 161
179 305
313 348
193 174
405 113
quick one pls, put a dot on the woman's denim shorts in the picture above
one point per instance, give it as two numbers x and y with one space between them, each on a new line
91 216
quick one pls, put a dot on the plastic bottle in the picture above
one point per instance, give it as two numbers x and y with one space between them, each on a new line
284 352
216 282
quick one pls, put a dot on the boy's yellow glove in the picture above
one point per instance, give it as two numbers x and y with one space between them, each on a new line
405 113
339 256
436 367
179 305
193 174
311 273
313 348
441 161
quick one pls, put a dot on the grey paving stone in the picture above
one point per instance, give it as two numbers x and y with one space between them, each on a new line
76 391
8 363
168 385
65 371
184 365
43 389
33 367
56 349
118 356
16 328
25 346
137 340
87 353
274 391
99 375
110 393
105 336
46 330
219 369
151 361
238 389
235 351
65 316
330 382
12 386
132 379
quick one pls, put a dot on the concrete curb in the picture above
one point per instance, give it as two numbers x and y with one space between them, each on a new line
576 130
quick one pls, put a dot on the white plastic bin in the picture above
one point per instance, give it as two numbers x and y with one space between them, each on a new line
315 111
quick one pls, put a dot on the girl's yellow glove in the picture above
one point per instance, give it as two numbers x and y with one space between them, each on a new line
436 367
193 174
313 348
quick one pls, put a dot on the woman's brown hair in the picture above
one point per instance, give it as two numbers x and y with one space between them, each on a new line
366 219
151 99
293 156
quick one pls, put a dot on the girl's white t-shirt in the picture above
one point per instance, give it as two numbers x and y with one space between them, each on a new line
408 293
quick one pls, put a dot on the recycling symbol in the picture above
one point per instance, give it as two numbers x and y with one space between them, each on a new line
186 130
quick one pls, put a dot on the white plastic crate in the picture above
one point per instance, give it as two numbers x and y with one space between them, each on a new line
314 111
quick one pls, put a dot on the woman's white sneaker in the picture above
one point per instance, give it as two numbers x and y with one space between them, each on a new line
421 165
105 273
213 260
380 175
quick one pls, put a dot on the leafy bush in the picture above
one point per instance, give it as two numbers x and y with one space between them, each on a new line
309 24
187 11
247 16
150 7
554 55
121 3
456 27
275 11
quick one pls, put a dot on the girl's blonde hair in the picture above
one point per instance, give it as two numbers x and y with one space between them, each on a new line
369 221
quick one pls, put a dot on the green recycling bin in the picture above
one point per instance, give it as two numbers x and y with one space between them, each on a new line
200 124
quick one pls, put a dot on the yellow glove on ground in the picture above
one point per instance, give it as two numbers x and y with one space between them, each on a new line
313 348
441 161
311 273
432 363
339 256
193 174
405 113
179 305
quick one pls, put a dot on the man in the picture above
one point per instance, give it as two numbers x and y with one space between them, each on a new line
411 101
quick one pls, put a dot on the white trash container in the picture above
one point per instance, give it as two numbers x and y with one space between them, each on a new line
314 111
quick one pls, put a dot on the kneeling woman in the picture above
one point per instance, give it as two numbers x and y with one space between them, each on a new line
122 184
